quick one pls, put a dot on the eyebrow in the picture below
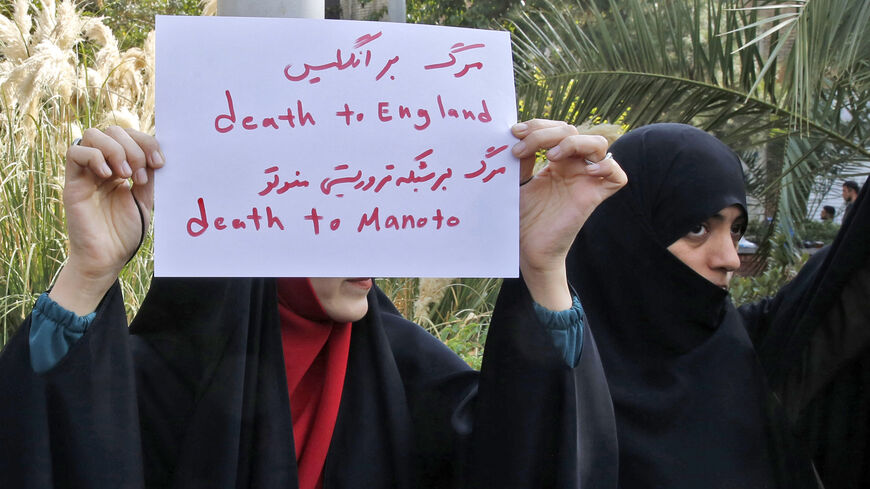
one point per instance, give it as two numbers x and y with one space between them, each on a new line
719 217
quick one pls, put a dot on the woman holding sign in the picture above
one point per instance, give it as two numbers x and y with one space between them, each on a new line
303 382
707 395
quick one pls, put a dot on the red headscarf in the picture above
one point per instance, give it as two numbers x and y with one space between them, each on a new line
315 358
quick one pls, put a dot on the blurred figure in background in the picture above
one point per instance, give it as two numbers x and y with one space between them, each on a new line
850 193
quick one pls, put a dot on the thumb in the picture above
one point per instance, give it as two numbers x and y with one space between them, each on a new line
143 197
527 168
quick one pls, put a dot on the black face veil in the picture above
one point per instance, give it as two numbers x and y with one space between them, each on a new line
678 176
687 388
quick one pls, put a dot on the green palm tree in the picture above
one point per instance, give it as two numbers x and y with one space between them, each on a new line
787 85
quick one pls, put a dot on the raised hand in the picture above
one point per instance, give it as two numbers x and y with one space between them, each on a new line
555 202
100 203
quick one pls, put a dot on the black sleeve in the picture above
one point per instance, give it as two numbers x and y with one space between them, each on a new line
76 425
827 392
189 396
526 420
803 315
814 343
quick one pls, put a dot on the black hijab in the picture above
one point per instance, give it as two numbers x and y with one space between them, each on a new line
679 176
687 388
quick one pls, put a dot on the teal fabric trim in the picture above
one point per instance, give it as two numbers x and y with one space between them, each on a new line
566 329
53 330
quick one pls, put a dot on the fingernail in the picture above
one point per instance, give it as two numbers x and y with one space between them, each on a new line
520 127
593 167
519 148
554 152
140 177
105 171
126 170
157 158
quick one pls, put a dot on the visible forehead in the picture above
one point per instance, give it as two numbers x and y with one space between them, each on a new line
730 213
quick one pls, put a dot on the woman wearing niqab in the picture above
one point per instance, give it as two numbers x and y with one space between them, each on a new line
697 385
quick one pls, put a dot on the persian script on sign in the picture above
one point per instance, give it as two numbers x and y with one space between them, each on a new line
300 147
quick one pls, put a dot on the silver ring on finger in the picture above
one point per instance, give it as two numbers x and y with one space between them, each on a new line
606 157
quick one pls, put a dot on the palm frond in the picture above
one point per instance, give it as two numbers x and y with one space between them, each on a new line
703 62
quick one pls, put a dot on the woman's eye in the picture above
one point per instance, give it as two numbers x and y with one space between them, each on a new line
697 231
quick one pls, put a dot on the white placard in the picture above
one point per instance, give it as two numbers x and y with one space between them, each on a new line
299 147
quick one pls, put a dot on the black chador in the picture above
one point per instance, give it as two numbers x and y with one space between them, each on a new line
194 396
706 395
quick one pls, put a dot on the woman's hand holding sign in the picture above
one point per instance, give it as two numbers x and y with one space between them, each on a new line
105 226
555 202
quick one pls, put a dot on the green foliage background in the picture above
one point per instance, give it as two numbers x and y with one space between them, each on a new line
630 62
131 21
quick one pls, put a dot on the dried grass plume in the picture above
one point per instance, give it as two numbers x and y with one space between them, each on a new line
611 132
209 7
47 75
429 291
